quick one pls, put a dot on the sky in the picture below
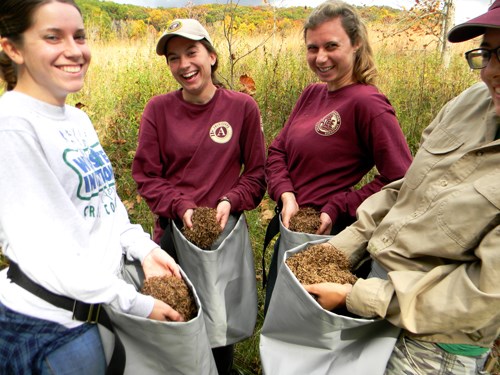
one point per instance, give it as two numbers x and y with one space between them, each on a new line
464 9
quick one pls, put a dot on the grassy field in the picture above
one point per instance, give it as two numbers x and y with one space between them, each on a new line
126 74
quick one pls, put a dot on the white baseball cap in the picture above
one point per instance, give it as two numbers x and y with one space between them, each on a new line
187 28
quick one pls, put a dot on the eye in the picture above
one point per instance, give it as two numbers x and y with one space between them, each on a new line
81 38
172 58
331 46
51 37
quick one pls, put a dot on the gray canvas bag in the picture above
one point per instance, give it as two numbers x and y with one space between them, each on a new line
224 278
300 337
153 347
290 240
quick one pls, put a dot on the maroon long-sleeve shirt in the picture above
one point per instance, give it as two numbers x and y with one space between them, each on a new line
191 155
329 143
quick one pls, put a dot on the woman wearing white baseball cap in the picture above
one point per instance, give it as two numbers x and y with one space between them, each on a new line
203 146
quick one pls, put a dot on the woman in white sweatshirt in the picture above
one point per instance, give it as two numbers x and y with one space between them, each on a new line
62 225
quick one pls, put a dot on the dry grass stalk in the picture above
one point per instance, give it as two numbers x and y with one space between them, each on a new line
321 263
305 221
174 292
205 228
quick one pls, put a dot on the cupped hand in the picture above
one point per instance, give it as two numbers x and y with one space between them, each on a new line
329 295
223 212
159 263
187 218
289 209
163 312
325 226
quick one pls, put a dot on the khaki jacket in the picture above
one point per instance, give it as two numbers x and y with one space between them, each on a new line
437 232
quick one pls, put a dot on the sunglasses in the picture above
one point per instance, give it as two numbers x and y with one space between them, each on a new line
480 57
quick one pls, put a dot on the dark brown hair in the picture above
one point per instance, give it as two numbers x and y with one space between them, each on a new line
16 16
211 49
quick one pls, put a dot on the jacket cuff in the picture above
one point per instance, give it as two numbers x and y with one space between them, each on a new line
370 298
183 207
143 306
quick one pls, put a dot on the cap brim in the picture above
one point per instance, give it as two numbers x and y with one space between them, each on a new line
475 27
162 42
461 33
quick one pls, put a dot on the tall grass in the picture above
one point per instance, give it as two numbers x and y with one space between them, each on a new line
126 74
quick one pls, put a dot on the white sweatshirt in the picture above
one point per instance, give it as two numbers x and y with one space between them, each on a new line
61 220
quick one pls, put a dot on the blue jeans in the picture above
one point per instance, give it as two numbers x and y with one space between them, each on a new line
82 356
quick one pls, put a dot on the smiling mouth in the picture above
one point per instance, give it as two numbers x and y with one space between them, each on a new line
71 68
190 75
326 69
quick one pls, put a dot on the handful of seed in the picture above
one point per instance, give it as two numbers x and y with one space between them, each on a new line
174 292
306 220
321 263
205 228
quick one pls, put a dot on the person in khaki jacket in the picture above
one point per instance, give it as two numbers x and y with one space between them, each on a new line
434 236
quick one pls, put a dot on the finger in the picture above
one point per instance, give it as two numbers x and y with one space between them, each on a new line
322 228
173 315
223 221
285 219
176 271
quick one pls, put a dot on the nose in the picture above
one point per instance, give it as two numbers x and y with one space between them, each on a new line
183 61
494 64
321 55
72 48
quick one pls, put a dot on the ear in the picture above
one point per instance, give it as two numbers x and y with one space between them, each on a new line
213 59
356 46
12 51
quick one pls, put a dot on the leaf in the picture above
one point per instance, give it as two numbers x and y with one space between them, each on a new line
248 84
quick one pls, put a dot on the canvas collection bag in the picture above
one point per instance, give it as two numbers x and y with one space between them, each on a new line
290 239
300 337
153 347
224 278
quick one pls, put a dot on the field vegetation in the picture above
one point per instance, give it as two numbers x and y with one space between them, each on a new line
267 45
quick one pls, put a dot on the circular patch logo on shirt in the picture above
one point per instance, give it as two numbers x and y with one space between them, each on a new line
328 125
221 132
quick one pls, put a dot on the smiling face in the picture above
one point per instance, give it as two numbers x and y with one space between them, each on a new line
53 57
191 65
330 54
491 73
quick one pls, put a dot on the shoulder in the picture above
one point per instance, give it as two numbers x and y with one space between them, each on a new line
471 105
162 99
473 94
312 92
361 92
76 114
235 95
368 99
239 98
13 113
315 88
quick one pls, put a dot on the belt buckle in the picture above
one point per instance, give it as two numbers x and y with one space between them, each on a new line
94 309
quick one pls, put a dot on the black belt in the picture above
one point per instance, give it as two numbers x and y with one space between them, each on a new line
84 312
